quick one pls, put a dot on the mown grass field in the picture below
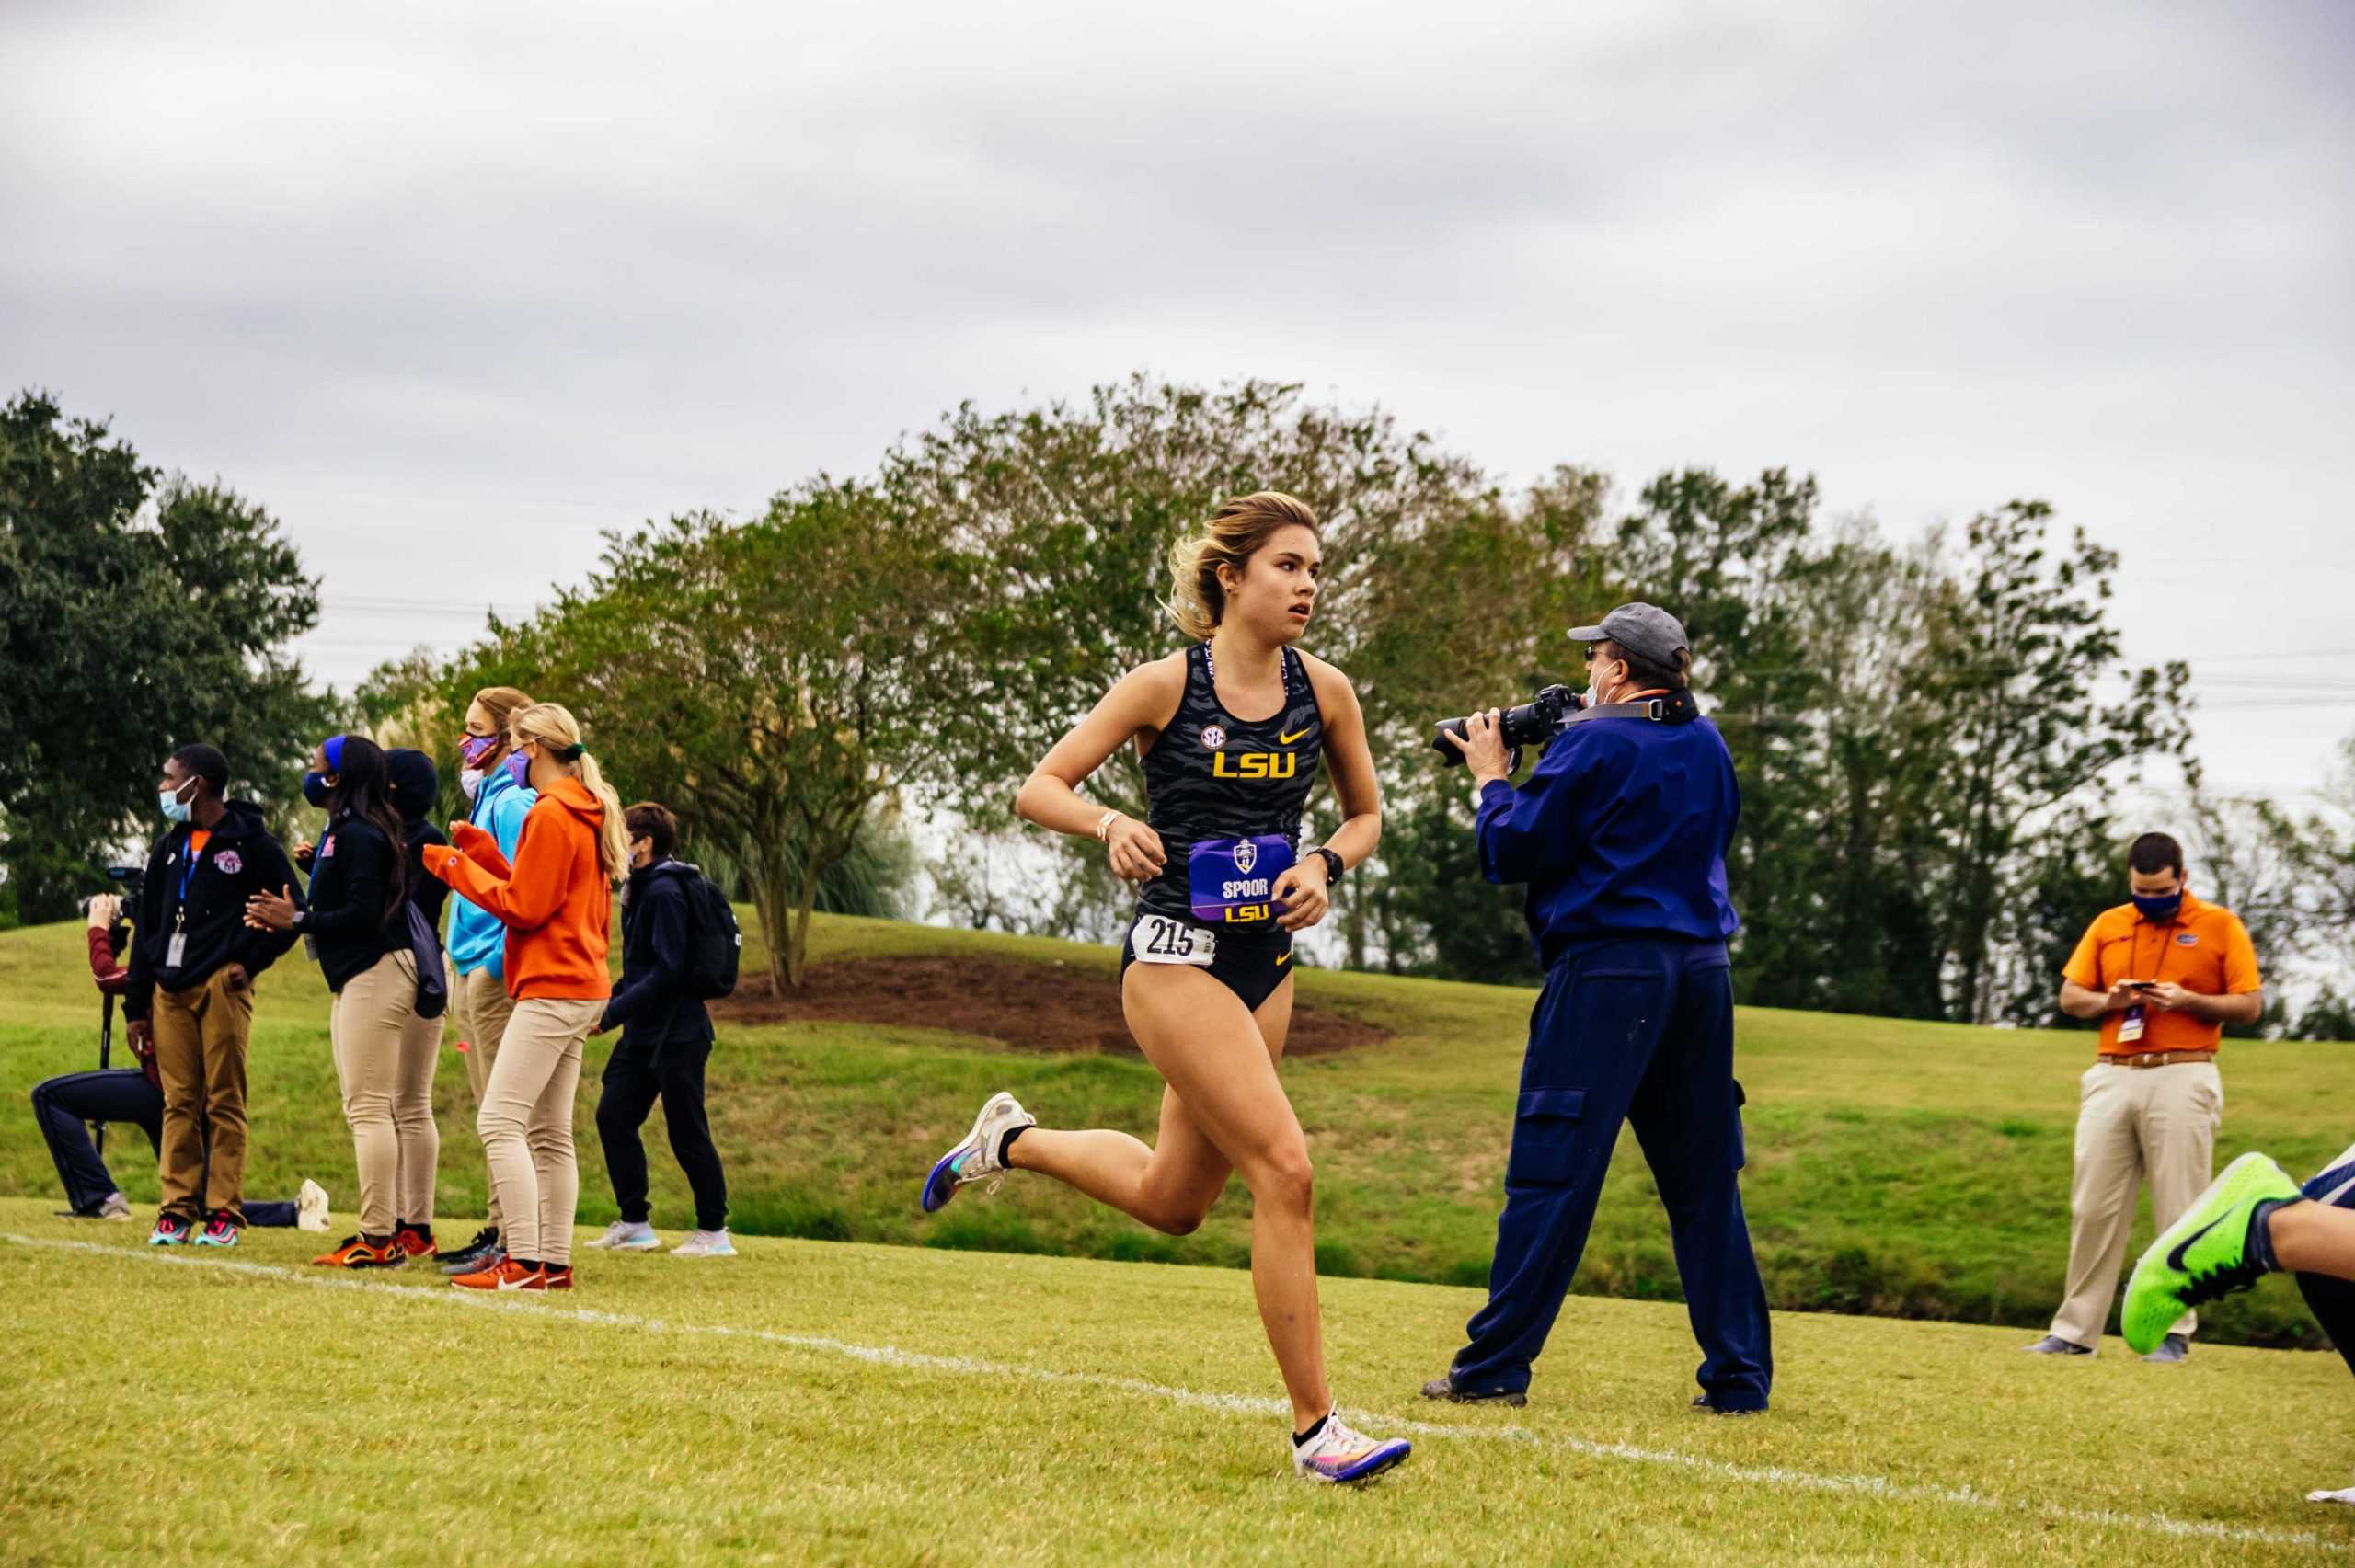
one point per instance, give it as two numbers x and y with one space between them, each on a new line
811 1402
1899 1169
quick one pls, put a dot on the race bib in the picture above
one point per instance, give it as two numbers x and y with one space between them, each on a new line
1229 881
1160 940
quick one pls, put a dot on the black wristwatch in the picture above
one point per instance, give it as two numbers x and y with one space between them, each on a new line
1333 866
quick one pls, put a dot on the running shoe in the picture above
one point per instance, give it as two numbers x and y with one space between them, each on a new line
2205 1254
413 1242
629 1236
2345 1494
219 1231
504 1274
706 1245
1338 1453
311 1207
170 1231
475 1256
553 1277
976 1158
358 1252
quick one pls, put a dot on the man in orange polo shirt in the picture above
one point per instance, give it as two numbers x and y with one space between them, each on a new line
2164 974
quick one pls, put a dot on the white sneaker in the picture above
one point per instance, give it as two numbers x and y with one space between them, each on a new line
1339 1454
706 1245
976 1158
2345 1494
116 1206
311 1207
629 1236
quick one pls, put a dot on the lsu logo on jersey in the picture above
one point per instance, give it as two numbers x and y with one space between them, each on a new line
1266 765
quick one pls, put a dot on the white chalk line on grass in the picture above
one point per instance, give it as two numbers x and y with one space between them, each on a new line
1875 1487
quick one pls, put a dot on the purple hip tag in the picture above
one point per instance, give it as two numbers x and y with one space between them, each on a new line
1229 881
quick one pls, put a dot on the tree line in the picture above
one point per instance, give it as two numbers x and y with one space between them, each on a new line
1930 734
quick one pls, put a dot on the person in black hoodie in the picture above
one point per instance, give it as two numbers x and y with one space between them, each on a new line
666 1040
190 998
415 788
358 924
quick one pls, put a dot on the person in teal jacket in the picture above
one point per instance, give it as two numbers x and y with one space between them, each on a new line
479 1004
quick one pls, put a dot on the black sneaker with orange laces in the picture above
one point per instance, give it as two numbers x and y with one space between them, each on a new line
359 1251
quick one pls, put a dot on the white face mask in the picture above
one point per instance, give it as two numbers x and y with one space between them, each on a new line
470 781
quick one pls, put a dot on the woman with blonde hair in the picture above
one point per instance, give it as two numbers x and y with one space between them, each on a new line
556 901
497 802
1231 730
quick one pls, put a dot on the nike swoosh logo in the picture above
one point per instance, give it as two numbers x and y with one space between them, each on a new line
1283 960
1288 739
2175 1255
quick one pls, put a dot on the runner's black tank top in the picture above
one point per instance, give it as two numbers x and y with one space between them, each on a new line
1212 775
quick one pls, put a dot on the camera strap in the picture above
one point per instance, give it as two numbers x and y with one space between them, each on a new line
1653 708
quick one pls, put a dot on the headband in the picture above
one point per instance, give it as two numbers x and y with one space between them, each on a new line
334 750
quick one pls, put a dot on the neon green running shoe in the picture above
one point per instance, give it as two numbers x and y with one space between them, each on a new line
2205 1254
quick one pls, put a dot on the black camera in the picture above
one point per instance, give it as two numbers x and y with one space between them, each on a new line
126 880
1534 723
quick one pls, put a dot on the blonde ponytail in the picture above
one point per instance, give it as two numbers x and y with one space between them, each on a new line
1233 535
613 837
558 733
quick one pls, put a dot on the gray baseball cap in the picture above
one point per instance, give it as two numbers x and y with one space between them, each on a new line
1645 630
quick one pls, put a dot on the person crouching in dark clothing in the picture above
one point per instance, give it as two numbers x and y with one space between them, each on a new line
666 1040
66 1104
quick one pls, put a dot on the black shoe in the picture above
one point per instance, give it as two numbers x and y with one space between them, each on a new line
1444 1388
2053 1345
1703 1402
480 1253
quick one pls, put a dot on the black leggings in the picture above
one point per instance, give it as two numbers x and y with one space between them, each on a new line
634 1077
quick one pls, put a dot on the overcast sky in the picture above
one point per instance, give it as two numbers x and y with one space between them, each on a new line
450 289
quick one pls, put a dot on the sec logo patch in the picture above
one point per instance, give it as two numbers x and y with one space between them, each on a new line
1213 736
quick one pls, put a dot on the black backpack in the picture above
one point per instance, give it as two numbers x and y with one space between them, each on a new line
713 941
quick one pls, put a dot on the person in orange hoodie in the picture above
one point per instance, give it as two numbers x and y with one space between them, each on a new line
556 901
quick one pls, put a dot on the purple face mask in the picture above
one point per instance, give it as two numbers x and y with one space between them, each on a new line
519 768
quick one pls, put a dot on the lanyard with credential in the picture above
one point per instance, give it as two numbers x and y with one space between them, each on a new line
177 949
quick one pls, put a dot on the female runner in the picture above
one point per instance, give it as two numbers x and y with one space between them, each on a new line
1231 730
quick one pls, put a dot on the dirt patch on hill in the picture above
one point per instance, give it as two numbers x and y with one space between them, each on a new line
1042 1007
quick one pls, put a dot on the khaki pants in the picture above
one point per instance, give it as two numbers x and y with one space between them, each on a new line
387 1102
480 1007
527 1125
201 1036
2133 1123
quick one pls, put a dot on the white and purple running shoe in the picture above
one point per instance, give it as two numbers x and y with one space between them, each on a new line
976 1158
1338 1453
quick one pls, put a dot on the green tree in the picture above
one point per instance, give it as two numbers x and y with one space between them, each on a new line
779 683
2019 649
138 613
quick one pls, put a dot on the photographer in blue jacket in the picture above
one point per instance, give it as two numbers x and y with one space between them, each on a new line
1620 833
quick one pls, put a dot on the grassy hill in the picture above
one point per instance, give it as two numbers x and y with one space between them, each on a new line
834 1404
1895 1168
